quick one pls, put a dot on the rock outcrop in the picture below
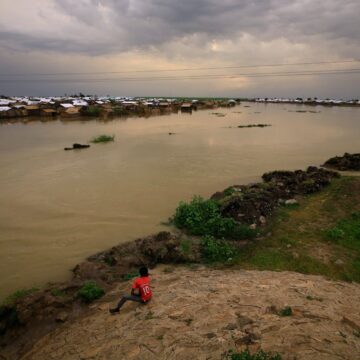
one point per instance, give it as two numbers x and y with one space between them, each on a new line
250 204
347 162
77 146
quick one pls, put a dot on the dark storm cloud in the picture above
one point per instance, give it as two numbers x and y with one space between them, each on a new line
108 26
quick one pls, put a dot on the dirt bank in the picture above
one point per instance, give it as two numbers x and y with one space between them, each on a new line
207 312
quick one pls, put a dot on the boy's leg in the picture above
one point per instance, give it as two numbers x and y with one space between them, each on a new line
123 300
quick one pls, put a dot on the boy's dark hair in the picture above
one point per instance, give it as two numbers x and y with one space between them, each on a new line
144 271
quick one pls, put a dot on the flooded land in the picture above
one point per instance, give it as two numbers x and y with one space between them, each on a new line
57 207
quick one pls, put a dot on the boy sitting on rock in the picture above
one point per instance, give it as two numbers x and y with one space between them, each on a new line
140 292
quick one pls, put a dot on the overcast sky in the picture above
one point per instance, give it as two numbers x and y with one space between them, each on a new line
98 36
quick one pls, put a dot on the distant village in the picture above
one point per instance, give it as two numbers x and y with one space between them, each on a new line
309 101
105 107
92 106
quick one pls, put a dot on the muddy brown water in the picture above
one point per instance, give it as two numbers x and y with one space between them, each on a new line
58 207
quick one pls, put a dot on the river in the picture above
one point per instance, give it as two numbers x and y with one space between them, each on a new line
58 207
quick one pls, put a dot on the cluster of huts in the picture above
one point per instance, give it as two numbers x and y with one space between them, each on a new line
73 106
309 101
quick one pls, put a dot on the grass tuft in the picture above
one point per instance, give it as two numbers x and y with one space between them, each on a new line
246 355
11 300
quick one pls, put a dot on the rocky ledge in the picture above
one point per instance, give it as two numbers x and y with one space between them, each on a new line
349 162
253 204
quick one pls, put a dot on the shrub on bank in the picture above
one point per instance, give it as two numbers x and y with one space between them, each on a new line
203 217
215 250
90 291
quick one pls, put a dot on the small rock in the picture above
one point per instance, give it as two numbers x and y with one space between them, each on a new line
288 246
62 317
262 220
231 326
291 202
252 226
210 335
243 320
295 255
339 262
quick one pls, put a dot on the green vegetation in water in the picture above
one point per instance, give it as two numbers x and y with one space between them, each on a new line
203 217
90 291
103 139
215 250
286 311
246 355
11 300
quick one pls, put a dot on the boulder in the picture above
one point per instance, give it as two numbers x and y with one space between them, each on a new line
77 146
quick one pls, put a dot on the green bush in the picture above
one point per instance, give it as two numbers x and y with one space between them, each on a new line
346 232
286 311
90 291
229 191
103 139
215 250
202 217
259 355
334 233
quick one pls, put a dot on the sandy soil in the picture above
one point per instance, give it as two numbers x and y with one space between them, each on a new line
201 313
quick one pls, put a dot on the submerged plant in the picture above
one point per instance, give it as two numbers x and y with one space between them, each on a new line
103 139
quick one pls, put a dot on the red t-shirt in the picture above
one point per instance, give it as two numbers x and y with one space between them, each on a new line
143 284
